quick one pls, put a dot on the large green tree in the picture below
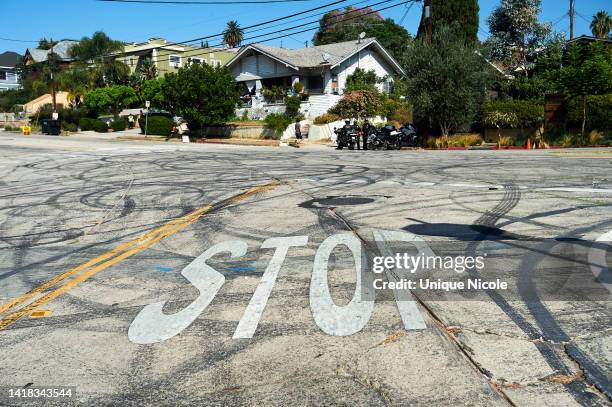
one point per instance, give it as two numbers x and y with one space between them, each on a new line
448 12
601 24
517 36
111 99
446 81
233 34
201 94
587 72
347 24
98 56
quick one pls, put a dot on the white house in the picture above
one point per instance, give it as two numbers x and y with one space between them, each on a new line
322 70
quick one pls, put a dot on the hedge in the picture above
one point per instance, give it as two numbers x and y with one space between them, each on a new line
326 118
513 113
157 125
280 121
119 125
598 112
86 124
100 126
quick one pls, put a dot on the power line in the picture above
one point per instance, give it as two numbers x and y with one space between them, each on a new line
299 26
15 40
201 2
258 24
309 29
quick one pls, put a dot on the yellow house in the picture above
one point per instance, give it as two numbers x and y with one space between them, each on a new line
169 57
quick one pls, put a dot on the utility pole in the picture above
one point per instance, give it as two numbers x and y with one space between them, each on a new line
51 63
427 13
571 16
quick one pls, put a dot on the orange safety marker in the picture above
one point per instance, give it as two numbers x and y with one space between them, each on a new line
529 143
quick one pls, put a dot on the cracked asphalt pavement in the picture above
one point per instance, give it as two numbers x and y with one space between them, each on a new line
148 273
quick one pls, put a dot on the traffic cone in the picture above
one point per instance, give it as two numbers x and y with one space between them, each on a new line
529 143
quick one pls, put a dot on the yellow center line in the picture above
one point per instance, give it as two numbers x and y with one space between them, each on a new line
109 259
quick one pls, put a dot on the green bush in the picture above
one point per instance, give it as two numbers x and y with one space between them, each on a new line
292 104
119 125
280 121
86 124
66 115
397 111
513 113
71 127
598 112
157 125
326 118
99 126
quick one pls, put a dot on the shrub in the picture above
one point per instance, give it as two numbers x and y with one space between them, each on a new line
595 137
292 104
360 103
298 87
326 118
71 127
157 125
119 125
459 140
99 126
280 121
598 112
513 113
86 124
398 111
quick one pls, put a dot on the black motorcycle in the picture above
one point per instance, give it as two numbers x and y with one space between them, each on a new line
347 136
408 135
387 138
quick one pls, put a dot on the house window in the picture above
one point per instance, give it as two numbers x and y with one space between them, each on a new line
2 75
196 60
214 62
175 61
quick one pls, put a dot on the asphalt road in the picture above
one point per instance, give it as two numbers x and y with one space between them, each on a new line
146 273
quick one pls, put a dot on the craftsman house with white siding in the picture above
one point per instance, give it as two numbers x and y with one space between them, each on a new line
322 70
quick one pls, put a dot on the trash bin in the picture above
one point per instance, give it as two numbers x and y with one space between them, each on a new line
51 127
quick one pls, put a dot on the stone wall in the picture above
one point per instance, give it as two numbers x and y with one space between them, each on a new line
240 131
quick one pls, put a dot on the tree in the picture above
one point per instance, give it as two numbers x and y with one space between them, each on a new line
151 90
601 25
346 25
448 12
361 79
516 34
587 72
201 94
100 51
446 81
111 99
145 71
44 43
233 34
359 104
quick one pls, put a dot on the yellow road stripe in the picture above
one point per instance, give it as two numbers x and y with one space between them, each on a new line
153 237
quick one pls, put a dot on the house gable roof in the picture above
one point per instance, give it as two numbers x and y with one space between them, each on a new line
61 49
313 57
9 59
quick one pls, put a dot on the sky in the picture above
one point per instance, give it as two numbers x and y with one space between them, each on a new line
134 22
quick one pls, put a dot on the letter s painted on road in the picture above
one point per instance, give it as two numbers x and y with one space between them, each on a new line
151 325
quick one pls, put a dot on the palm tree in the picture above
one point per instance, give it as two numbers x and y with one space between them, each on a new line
233 35
601 25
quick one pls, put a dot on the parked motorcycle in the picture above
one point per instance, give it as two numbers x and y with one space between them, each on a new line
409 135
387 138
347 136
